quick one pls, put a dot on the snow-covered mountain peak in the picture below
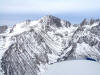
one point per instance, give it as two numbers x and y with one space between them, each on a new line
89 21
54 21
23 26
46 23
30 45
51 20
48 17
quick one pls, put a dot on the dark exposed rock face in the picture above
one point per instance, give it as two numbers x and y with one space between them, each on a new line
85 22
3 29
89 22
53 21
96 30
67 24
88 40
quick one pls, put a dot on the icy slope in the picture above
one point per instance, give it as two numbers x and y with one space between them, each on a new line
74 67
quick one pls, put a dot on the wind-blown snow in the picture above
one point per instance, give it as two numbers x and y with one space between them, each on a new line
22 27
75 67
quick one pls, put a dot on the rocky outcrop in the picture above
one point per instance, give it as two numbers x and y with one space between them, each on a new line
3 29
89 21
23 57
96 30
50 20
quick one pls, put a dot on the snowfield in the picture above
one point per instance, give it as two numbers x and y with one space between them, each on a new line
75 67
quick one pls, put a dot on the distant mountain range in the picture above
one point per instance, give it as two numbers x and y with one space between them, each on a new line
27 47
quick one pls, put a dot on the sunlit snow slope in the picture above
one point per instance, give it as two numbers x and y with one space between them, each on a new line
75 67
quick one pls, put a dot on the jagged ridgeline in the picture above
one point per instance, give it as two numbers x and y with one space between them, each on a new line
27 47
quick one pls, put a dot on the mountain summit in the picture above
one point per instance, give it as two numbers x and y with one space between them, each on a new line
52 20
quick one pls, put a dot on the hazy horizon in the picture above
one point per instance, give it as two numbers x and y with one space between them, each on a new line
14 11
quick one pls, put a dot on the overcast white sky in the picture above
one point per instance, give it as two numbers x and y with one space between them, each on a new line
49 6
